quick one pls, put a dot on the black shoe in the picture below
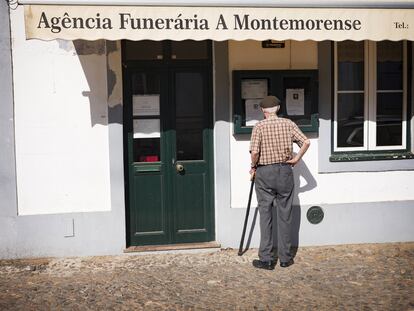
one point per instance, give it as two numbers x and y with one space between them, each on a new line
286 263
268 265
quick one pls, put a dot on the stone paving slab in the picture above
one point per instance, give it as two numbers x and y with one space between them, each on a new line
352 277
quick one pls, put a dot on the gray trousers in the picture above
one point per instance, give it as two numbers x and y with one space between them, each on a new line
274 185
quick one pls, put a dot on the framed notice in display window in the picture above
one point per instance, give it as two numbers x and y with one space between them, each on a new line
295 102
253 111
297 90
252 92
253 88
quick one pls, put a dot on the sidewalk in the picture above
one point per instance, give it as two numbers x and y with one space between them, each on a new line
353 277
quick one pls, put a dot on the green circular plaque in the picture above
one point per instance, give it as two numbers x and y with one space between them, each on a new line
315 214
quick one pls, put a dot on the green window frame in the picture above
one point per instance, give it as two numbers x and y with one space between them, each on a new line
277 83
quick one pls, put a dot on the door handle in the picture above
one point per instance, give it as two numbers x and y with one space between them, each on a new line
179 168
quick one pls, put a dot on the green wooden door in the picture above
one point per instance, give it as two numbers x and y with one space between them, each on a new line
169 156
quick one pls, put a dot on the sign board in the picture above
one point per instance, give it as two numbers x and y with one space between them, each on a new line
70 22
254 88
146 105
253 111
147 128
295 102
273 44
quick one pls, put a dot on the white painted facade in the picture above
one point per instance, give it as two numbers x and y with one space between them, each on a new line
62 97
331 188
61 118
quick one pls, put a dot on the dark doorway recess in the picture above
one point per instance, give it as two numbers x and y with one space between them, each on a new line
168 141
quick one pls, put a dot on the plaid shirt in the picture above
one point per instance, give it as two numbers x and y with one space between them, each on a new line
272 139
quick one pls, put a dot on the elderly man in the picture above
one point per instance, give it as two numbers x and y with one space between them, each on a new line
271 166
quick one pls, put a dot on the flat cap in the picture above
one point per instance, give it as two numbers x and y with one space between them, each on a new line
269 102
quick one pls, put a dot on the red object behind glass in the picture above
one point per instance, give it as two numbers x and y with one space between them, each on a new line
149 158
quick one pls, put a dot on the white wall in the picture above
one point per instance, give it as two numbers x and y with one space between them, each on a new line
61 117
333 188
249 55
311 187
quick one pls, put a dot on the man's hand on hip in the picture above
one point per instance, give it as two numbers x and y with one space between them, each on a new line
300 154
293 161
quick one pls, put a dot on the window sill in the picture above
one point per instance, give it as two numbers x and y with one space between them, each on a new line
312 127
350 157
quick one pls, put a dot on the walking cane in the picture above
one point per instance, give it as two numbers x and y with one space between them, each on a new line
246 218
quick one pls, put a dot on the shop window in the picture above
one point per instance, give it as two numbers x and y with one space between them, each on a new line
297 90
370 96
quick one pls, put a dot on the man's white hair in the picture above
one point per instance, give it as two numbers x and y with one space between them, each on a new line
271 109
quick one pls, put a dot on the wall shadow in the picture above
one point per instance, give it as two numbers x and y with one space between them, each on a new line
92 57
300 170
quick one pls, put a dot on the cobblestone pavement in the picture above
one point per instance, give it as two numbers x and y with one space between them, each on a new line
353 277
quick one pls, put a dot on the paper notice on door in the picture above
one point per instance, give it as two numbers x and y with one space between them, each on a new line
253 112
254 88
295 102
147 128
146 105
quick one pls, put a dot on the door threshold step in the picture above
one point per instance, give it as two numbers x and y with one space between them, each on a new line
171 247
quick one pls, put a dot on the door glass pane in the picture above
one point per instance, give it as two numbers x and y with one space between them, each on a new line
146 117
189 49
350 65
147 150
350 120
143 50
389 65
189 100
389 119
389 104
145 83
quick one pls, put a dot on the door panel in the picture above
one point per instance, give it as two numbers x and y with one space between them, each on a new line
192 224
148 213
191 184
149 218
